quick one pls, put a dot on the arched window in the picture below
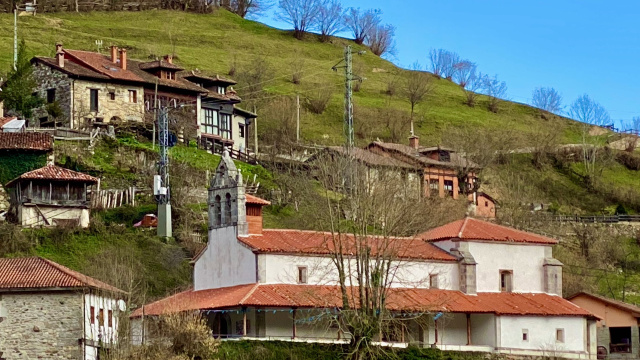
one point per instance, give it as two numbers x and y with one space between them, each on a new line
227 213
217 211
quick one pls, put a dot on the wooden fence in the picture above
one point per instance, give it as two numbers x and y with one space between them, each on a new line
113 198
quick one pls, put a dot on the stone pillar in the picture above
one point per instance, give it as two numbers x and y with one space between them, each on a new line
455 187
441 186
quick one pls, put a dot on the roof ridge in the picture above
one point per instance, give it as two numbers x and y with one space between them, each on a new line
82 278
464 224
62 269
253 289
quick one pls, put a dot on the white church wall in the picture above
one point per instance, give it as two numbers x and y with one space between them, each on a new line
541 332
225 262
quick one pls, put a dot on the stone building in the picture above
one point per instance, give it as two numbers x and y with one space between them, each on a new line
617 329
48 311
469 285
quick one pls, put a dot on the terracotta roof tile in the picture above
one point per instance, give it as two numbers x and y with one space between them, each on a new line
474 229
256 200
102 65
26 141
39 273
157 64
52 172
399 299
368 157
320 243
70 68
456 159
196 75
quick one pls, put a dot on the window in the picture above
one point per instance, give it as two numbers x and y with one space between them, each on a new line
209 122
434 185
227 212
448 187
218 211
221 90
525 335
112 95
101 317
444 156
505 280
171 75
110 318
93 315
51 95
225 126
242 131
133 96
302 274
620 339
433 281
93 100
486 204
560 335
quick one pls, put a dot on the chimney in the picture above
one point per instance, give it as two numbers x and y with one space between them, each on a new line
168 58
414 142
59 55
114 54
123 59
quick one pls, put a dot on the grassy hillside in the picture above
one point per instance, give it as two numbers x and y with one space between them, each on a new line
212 42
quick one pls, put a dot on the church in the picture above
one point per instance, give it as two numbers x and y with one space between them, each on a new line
476 285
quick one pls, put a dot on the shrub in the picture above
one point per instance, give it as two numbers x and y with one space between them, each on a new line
318 100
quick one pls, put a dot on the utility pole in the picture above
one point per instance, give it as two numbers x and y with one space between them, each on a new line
348 94
161 187
15 38
298 119
255 131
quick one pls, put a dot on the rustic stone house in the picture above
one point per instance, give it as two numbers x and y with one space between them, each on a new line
91 89
48 311
51 196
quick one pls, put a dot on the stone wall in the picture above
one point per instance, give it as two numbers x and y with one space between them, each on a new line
48 78
118 109
41 325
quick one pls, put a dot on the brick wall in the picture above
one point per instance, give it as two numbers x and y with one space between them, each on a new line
41 325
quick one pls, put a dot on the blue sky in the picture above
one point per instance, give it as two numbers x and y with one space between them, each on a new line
574 46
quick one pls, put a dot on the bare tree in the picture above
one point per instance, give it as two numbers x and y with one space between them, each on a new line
361 22
632 127
548 99
472 85
330 19
590 114
380 39
417 87
496 90
302 14
443 62
463 72
245 8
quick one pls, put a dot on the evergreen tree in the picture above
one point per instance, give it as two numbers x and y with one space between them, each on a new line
17 91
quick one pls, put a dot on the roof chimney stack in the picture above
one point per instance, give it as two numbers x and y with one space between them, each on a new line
168 58
123 59
114 54
414 142
59 55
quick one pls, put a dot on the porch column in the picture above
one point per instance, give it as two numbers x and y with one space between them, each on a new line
435 331
468 329
244 322
441 186
293 324
455 187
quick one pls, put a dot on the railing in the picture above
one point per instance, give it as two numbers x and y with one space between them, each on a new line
605 219
215 147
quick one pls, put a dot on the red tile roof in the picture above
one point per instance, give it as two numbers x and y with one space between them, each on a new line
39 273
456 160
474 229
26 141
399 299
256 200
159 64
6 119
52 172
101 64
321 243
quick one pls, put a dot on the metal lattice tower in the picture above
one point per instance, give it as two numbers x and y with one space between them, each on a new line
163 163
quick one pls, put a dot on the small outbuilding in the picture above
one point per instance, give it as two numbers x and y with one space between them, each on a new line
617 331
50 196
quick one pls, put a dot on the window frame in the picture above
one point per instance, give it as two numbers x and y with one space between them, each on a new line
560 335
133 99
51 95
94 103
92 315
525 335
225 122
221 90
210 121
112 95
242 130
508 281
110 318
303 275
433 281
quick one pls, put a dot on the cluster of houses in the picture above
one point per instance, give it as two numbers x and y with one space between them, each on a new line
477 286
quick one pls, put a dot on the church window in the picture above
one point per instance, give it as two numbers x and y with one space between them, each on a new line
227 213
217 211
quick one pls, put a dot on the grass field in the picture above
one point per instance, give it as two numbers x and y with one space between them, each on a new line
211 42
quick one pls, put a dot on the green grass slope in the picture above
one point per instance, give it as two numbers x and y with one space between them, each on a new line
211 42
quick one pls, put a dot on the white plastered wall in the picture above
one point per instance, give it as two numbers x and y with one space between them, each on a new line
100 331
542 333
225 262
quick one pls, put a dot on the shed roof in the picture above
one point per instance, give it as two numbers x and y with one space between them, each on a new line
26 141
34 273
456 159
635 310
53 172
473 229
250 199
368 158
399 299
